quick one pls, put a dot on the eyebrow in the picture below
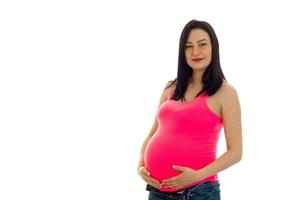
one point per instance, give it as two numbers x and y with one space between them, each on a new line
198 41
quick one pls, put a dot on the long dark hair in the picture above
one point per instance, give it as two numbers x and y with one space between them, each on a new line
213 76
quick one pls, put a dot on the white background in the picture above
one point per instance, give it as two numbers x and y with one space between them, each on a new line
80 83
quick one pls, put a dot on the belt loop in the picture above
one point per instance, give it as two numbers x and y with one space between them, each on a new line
188 195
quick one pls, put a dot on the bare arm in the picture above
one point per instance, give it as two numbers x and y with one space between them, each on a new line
231 115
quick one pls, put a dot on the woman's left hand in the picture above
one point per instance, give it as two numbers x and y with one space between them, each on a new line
187 177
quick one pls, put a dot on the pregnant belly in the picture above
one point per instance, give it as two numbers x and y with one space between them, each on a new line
162 153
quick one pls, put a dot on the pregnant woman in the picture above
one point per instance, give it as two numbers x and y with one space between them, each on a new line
178 157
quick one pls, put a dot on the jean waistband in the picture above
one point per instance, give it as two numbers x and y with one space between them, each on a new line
151 188
201 185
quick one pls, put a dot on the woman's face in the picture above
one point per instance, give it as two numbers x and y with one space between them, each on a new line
198 50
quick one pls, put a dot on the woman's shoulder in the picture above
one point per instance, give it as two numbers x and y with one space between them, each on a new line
227 93
170 86
227 89
171 83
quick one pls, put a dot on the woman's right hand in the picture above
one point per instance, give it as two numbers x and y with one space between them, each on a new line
146 176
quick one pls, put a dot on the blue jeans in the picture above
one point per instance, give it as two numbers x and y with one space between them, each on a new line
209 190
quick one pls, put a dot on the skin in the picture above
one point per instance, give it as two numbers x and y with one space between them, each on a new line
224 102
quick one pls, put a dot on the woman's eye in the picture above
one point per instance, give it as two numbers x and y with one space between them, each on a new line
188 46
203 44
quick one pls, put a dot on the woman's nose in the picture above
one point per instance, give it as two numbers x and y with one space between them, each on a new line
195 52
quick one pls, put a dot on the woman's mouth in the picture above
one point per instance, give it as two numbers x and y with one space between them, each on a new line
197 60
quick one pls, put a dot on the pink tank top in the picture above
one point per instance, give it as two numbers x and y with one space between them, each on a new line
187 135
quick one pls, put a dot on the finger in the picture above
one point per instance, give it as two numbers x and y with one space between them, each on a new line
175 186
140 168
177 167
149 178
146 172
157 185
143 170
154 182
172 185
168 181
146 177
154 185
